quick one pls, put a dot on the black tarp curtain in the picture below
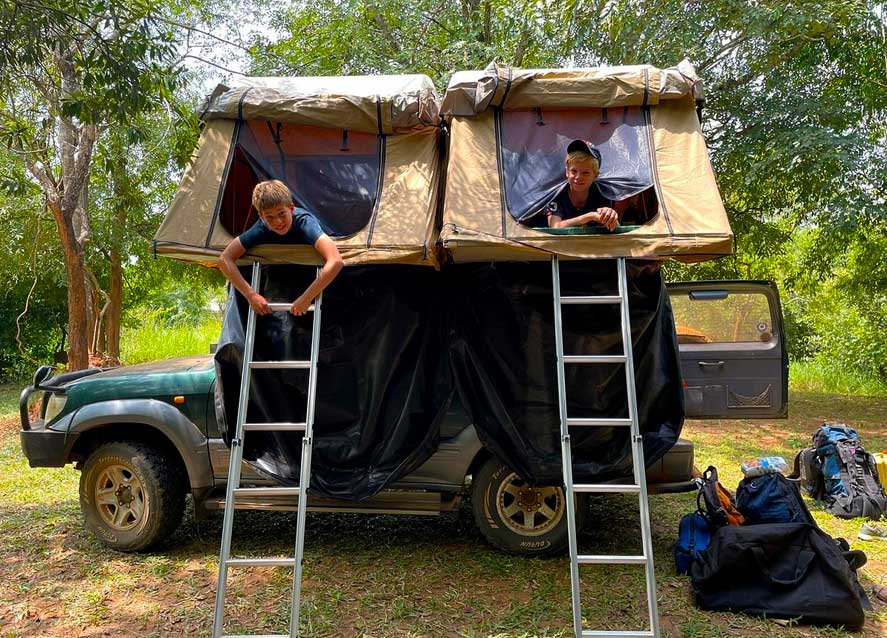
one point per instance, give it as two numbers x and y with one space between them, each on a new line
399 343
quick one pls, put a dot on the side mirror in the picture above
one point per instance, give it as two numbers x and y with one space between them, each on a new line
42 374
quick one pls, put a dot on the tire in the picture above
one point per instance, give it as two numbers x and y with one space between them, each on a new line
539 528
132 495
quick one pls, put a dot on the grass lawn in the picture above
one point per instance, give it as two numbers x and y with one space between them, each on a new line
384 576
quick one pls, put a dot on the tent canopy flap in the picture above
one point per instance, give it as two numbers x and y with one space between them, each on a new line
369 103
473 92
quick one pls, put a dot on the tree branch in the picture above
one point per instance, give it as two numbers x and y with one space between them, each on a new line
192 29
97 328
50 188
199 59
729 46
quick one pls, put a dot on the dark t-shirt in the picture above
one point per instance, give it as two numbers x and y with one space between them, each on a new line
305 229
563 207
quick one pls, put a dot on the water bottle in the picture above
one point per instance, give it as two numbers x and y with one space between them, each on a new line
765 465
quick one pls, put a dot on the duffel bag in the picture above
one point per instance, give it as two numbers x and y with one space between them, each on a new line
781 570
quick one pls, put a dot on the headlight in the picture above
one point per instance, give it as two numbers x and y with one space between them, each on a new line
54 406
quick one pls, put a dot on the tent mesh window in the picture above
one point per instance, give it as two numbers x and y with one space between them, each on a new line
532 149
333 173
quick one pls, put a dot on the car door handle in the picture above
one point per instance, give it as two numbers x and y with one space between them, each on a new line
710 364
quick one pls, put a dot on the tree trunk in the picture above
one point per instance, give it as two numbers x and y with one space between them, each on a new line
100 348
91 311
115 289
78 328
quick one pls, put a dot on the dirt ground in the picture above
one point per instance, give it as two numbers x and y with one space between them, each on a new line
385 576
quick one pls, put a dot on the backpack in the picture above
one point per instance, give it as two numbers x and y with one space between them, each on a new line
838 471
720 508
808 471
694 535
771 498
714 508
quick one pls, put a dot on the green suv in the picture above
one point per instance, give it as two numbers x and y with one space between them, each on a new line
146 436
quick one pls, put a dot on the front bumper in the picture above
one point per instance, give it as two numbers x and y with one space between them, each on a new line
46 447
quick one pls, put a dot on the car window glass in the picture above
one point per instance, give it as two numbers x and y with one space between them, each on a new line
722 318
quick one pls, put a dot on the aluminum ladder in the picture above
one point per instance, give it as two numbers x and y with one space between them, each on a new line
233 490
639 486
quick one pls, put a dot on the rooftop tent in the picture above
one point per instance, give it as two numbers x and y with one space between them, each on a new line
509 130
361 153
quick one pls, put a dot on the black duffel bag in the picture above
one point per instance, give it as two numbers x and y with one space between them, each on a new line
781 570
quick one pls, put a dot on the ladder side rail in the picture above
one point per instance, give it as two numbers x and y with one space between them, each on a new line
566 454
637 450
235 461
305 468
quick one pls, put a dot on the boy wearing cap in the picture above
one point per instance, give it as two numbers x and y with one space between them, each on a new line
581 203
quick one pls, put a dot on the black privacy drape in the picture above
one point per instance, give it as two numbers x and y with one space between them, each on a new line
382 385
503 359
398 342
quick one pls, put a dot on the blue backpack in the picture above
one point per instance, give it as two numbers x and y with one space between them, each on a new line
845 476
694 536
771 498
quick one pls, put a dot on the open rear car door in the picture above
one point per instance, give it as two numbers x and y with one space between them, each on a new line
732 349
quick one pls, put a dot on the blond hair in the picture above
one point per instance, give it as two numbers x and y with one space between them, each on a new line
582 156
270 194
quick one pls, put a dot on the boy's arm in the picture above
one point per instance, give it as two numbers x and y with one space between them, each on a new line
227 264
604 216
332 265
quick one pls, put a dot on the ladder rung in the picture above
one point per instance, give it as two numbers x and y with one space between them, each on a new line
607 488
594 358
599 633
260 562
282 426
285 307
266 491
592 300
297 365
619 559
600 422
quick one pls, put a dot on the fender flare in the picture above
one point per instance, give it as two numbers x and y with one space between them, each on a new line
186 438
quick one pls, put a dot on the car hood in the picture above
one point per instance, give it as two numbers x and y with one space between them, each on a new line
165 366
156 380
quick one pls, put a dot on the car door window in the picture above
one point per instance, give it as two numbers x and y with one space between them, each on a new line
715 317
730 339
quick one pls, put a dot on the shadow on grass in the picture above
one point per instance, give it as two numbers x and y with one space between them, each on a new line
387 576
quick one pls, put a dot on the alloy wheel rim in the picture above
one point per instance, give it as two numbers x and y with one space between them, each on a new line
120 498
529 510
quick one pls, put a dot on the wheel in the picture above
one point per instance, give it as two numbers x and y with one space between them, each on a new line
519 518
132 495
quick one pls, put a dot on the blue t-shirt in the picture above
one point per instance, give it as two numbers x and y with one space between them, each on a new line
305 229
563 207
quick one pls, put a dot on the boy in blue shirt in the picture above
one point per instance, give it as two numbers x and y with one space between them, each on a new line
580 202
280 222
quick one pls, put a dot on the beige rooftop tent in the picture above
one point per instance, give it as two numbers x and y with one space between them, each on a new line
508 133
361 153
